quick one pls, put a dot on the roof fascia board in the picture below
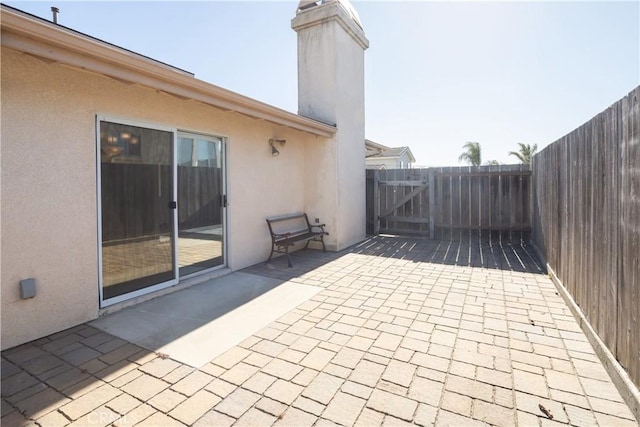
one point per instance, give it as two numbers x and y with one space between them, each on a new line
375 145
389 158
30 35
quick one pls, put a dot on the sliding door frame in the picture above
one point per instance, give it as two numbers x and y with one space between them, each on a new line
162 285
223 192
176 270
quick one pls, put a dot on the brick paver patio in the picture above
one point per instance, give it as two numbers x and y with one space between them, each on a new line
405 332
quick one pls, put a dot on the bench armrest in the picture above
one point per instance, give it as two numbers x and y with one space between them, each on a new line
321 227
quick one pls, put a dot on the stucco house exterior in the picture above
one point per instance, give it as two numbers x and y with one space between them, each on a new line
378 156
124 178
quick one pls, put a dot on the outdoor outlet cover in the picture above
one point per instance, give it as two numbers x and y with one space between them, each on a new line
27 288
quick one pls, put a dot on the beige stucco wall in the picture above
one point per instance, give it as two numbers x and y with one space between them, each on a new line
351 125
49 215
316 98
331 89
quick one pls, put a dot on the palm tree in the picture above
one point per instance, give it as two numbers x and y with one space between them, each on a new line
525 153
472 155
492 163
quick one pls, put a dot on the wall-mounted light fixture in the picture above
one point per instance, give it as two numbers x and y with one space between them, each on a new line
274 150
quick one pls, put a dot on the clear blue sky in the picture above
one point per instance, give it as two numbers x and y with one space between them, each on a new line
438 74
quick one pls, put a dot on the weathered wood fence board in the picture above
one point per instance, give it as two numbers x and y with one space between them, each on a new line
453 202
489 200
199 191
133 208
131 204
628 339
586 223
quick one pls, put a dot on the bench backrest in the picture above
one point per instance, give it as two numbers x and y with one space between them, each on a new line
293 224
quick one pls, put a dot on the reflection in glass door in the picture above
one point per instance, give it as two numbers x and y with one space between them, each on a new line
137 208
201 203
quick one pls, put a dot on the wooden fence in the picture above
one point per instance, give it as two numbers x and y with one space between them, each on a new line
132 204
199 191
483 201
133 207
451 203
586 223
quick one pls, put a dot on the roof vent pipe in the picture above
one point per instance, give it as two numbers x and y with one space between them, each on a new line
55 12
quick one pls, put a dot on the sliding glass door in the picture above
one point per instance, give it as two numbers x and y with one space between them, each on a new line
201 202
137 207
162 207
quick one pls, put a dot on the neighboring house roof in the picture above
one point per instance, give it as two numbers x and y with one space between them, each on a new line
55 43
379 151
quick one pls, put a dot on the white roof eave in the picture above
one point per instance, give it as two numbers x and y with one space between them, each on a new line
29 34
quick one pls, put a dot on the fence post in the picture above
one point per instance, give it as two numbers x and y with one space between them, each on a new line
376 202
432 203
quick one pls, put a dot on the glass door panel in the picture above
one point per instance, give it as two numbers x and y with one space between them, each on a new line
138 232
200 203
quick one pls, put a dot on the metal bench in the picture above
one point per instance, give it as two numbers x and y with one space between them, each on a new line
287 230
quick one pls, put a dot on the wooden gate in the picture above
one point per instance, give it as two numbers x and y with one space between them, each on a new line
398 201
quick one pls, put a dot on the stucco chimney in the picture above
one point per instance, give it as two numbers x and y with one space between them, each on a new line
331 45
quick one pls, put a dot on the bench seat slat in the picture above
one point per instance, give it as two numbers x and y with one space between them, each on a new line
290 234
299 237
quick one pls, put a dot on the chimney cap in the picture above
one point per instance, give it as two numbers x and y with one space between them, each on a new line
346 5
